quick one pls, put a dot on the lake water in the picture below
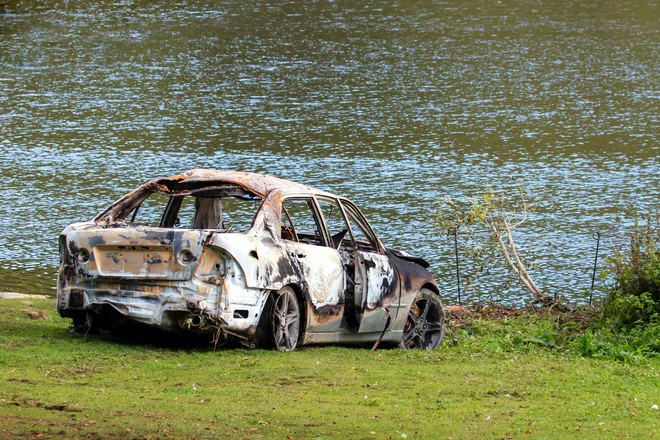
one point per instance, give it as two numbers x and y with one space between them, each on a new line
393 104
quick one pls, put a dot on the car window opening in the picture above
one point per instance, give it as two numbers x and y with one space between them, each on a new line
300 223
359 229
334 220
343 242
202 209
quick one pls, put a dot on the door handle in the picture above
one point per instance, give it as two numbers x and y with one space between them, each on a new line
301 255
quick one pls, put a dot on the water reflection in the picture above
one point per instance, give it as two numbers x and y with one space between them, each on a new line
393 104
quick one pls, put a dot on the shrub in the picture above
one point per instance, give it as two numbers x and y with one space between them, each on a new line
635 299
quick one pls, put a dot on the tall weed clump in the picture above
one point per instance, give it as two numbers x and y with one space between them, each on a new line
629 328
635 299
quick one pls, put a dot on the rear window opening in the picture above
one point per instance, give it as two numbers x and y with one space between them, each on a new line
228 208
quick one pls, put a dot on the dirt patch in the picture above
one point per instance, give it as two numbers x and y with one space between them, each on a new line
37 404
462 316
36 314
28 381
16 295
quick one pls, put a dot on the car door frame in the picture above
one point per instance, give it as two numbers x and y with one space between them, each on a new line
321 263
381 293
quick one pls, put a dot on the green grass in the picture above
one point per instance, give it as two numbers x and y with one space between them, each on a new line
62 386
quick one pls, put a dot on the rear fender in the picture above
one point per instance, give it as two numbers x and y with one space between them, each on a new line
412 277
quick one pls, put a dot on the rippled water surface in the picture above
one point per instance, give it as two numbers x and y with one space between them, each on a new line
394 104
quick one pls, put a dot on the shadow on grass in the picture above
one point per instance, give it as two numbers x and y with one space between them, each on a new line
145 336
133 334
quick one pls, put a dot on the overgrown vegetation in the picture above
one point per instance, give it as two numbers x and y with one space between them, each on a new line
496 329
629 325
626 327
635 266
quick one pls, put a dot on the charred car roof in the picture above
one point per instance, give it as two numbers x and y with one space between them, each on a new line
195 180
258 184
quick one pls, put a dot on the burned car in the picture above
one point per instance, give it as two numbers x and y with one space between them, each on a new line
259 259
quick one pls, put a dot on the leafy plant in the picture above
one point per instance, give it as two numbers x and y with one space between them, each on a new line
635 299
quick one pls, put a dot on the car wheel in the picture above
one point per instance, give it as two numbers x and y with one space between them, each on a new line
425 326
286 320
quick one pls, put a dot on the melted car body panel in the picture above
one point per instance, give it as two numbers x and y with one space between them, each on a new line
137 253
382 292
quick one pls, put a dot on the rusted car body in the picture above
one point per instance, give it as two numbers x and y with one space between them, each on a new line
261 259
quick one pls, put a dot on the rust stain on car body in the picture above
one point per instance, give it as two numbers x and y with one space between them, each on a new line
222 248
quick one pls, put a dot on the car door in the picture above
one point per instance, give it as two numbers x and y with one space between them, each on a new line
318 265
377 292
340 239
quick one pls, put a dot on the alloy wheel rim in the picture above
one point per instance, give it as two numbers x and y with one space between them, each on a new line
423 328
286 321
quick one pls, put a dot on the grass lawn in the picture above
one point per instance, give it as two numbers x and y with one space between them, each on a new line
57 385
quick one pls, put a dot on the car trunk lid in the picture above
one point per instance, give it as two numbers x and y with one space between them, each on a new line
137 252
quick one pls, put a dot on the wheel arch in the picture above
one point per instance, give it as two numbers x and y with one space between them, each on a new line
432 287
